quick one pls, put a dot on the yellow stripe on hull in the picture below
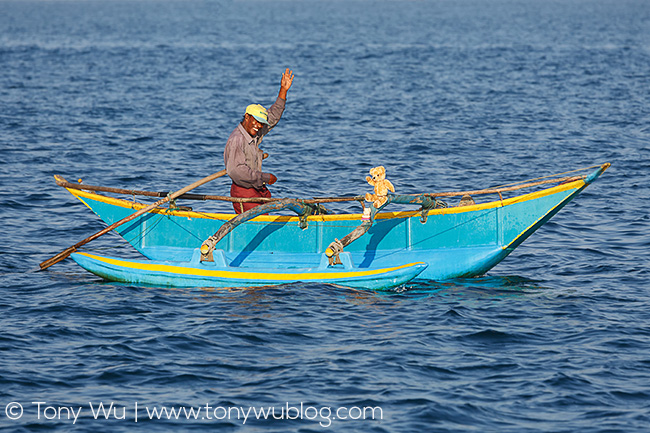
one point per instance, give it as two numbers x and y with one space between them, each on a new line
244 275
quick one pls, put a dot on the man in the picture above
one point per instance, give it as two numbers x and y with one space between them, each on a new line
243 157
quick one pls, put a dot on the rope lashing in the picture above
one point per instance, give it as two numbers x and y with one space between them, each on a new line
302 217
172 202
335 248
427 205
332 252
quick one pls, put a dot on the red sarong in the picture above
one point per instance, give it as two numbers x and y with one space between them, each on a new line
241 192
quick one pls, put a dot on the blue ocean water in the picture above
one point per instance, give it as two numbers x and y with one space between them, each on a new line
446 95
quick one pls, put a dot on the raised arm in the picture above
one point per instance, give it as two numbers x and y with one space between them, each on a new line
276 110
285 83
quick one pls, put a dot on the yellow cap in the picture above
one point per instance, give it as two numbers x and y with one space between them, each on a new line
258 112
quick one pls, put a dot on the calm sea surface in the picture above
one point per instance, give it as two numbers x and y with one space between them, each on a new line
446 95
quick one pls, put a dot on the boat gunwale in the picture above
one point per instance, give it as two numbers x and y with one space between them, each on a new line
80 194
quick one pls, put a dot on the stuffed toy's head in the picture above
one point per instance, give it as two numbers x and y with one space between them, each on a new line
378 173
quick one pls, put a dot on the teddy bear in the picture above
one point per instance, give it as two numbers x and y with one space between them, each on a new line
381 184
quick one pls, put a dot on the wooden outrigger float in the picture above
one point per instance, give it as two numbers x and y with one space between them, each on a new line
376 249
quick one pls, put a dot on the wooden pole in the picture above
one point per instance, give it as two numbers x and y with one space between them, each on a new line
64 183
66 253
286 203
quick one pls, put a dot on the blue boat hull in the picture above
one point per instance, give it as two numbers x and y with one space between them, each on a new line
454 242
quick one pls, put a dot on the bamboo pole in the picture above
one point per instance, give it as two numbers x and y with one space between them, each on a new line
62 182
500 190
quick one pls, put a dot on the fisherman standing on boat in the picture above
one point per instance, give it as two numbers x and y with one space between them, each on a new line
243 157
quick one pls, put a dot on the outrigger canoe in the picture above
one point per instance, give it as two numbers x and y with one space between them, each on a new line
375 249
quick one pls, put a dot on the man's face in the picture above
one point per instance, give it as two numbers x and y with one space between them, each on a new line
251 125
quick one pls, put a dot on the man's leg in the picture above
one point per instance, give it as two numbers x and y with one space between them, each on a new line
240 192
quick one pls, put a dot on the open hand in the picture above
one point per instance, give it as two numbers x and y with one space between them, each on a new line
272 179
287 79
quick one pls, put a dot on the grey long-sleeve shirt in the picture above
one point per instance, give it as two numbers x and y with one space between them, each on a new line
243 157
